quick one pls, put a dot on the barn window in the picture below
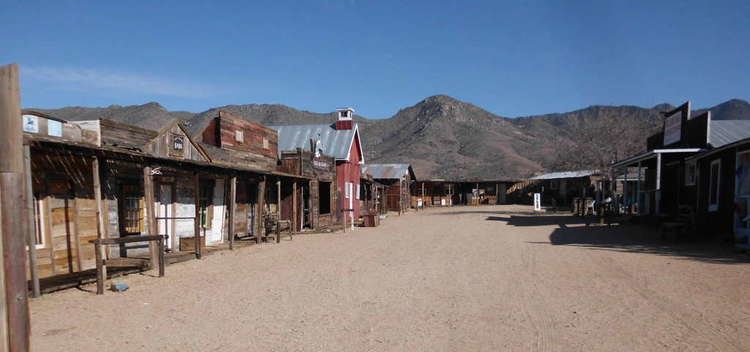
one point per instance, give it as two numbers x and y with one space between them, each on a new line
324 197
713 185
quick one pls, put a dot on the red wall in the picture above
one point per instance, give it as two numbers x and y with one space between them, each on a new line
348 171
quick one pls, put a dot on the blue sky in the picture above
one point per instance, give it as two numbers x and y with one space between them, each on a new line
514 59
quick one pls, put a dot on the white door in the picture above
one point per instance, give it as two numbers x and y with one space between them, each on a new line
164 210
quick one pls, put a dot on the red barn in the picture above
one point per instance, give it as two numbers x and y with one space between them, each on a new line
339 140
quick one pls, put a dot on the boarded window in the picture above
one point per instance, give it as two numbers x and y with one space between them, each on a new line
265 143
324 199
239 136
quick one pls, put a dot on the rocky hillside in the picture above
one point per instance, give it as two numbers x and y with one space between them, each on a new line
446 138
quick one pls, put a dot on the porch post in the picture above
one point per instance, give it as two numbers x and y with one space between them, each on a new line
657 196
148 195
100 251
260 210
625 199
638 190
278 209
230 208
30 220
14 306
294 206
197 221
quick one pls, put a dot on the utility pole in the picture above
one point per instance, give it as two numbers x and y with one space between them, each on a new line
14 317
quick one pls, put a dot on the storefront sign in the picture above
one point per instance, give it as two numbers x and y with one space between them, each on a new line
320 164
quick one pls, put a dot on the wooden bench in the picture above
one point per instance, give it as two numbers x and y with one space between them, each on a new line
101 262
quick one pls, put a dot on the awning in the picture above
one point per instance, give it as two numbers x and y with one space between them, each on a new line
634 160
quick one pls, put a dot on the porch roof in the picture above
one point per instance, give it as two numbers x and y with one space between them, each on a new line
634 160
140 154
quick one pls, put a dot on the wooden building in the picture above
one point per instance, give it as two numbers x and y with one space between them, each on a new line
396 180
560 188
341 141
100 179
315 199
695 163
439 192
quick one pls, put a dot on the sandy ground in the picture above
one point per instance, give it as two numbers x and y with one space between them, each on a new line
457 279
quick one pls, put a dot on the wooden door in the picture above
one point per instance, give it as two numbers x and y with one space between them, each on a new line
61 203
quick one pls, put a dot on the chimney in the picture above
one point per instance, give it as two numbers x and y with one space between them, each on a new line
344 120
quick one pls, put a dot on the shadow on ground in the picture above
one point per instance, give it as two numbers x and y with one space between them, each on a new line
481 212
586 233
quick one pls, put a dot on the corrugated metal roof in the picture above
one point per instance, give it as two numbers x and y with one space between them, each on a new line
565 174
333 142
725 132
387 171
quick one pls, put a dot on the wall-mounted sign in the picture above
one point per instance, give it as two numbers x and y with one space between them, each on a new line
320 164
30 123
178 143
54 128
673 128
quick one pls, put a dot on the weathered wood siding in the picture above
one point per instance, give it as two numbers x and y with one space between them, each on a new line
164 145
256 138
122 135
66 212
319 169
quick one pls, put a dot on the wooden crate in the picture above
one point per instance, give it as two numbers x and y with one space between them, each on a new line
187 244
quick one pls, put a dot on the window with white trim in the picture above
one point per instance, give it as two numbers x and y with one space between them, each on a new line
358 190
714 185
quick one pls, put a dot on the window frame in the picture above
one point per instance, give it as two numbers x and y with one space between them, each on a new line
691 181
713 207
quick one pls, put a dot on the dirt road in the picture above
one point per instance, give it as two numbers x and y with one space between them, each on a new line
455 279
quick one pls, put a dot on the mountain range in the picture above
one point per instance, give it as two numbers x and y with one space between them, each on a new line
442 137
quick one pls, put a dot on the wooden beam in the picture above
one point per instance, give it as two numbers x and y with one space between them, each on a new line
14 323
148 195
197 221
231 208
294 206
278 210
31 223
260 210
